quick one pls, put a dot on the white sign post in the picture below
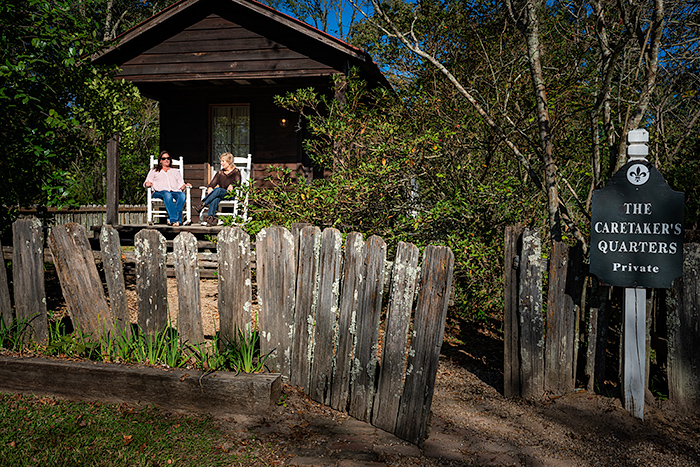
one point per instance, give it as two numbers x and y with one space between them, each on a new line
635 314
634 337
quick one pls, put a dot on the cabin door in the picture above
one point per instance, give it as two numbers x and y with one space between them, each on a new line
230 131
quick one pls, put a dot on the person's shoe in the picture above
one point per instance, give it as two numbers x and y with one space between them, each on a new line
211 221
198 207
176 224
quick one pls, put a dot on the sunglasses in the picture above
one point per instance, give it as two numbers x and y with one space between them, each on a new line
165 158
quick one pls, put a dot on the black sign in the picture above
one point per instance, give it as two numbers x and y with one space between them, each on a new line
637 229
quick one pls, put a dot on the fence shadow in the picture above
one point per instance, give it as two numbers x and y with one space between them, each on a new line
476 347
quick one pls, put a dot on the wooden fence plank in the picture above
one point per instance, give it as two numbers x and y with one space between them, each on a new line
234 281
326 316
424 354
110 247
362 379
561 324
347 316
151 281
597 336
187 276
80 281
404 279
653 299
530 311
5 302
296 229
276 277
305 306
576 280
28 276
683 303
511 325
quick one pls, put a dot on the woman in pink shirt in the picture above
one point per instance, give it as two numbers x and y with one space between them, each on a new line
167 184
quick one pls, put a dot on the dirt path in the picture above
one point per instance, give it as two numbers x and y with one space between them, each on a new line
473 424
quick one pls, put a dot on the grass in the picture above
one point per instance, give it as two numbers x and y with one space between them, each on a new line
49 432
15 335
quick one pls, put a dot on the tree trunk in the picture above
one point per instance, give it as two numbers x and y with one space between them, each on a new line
529 27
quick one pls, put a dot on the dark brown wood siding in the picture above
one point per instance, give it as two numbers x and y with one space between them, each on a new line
215 48
185 113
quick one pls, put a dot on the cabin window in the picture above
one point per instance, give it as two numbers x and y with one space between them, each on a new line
230 131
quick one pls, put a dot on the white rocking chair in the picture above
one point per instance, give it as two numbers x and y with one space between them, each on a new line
156 206
238 205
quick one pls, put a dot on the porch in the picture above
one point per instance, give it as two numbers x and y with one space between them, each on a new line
132 220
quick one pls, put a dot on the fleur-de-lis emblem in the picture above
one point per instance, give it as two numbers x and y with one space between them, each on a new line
638 174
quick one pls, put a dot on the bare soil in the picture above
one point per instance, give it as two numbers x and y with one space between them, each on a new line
472 422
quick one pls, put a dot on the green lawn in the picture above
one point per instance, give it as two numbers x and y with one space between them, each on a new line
45 431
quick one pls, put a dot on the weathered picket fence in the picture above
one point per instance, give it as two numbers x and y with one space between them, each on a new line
321 307
88 216
541 351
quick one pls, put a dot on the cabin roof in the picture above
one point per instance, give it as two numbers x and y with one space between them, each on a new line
335 55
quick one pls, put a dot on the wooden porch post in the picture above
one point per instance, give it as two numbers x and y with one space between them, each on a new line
113 180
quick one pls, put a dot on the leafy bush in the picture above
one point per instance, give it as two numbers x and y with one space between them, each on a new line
404 175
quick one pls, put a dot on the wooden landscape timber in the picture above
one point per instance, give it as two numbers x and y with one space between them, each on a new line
219 393
320 311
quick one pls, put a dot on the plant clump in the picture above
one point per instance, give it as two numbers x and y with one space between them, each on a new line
241 354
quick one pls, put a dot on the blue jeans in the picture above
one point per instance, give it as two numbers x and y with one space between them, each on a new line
174 201
212 200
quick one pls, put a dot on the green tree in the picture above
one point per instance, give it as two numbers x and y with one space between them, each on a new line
557 85
58 109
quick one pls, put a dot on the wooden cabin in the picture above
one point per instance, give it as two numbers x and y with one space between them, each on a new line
214 67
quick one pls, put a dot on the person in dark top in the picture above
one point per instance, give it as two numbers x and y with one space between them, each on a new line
223 182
